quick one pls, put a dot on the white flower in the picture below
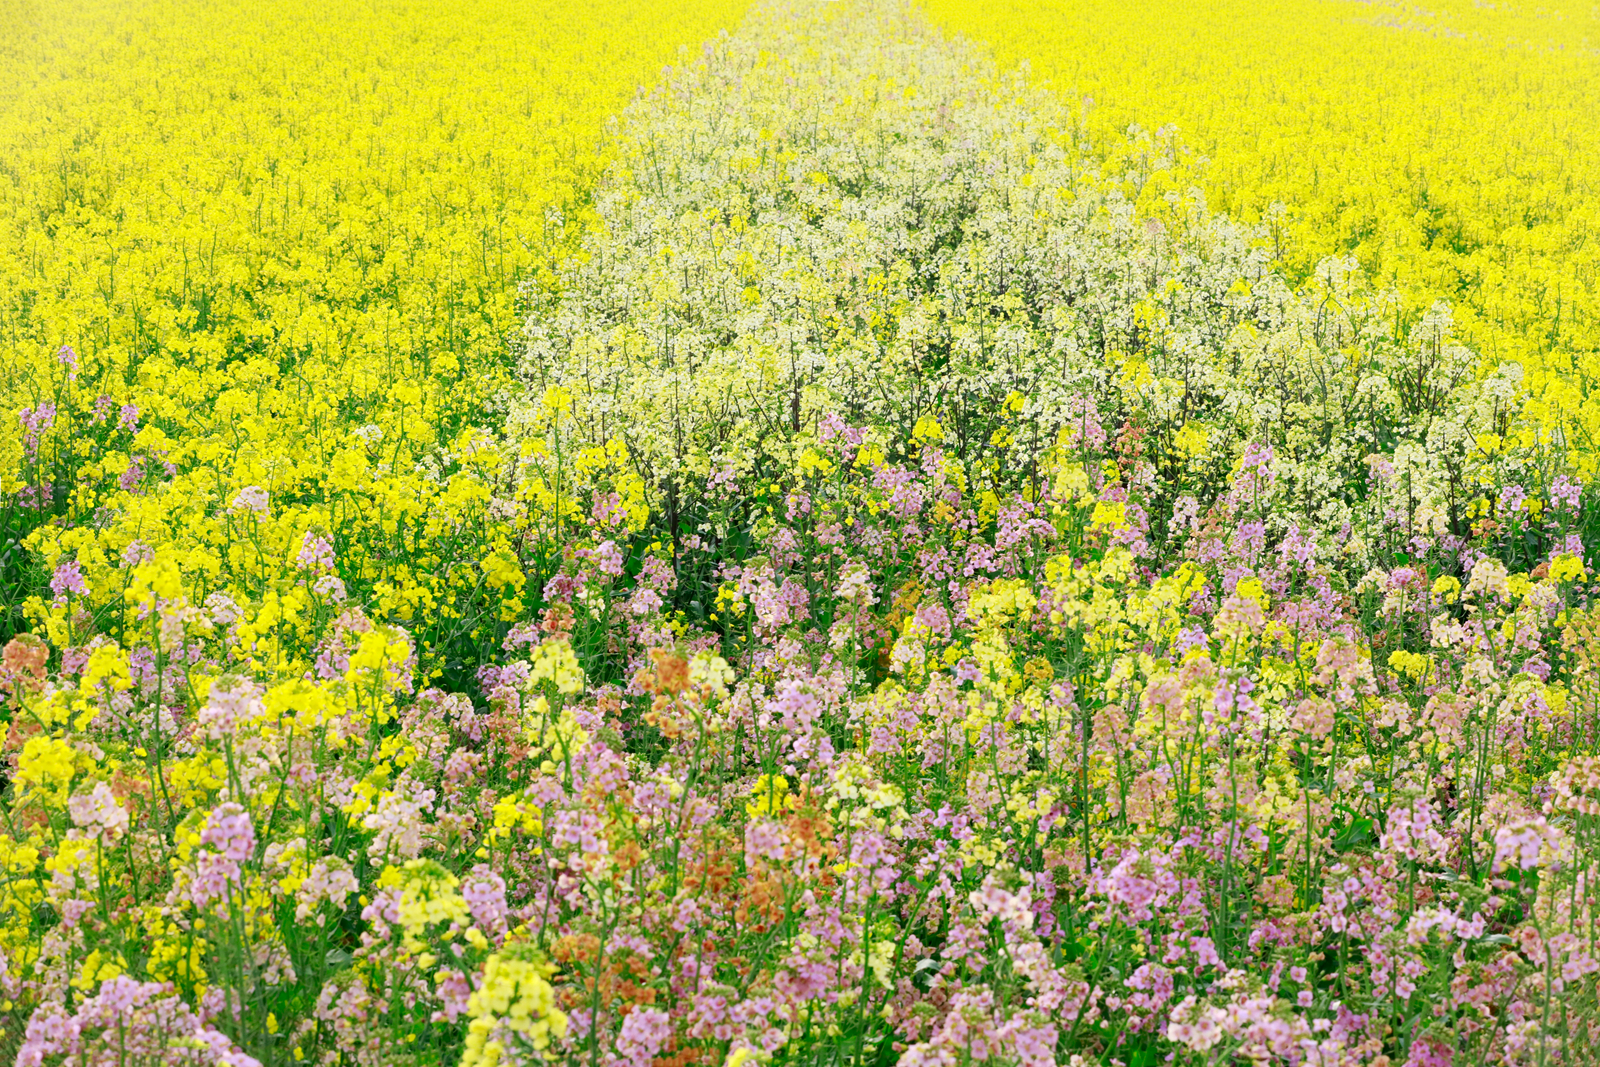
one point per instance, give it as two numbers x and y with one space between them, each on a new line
251 498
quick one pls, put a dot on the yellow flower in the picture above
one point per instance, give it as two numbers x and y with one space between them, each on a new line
513 815
1190 441
927 429
555 662
1109 515
813 462
428 895
1414 665
47 764
514 1004
1566 568
98 967
1251 589
770 795
557 400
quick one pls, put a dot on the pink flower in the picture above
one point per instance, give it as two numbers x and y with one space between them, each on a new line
454 991
485 894
644 1032
398 824
99 813
232 700
329 879
316 554
1414 831
607 558
68 580
35 421
129 480
127 1022
1526 843
230 831
763 839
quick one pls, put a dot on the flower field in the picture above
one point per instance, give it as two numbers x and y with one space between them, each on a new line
739 534
1452 152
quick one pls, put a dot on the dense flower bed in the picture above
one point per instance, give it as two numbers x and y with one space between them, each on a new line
276 245
864 221
919 600
1449 148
